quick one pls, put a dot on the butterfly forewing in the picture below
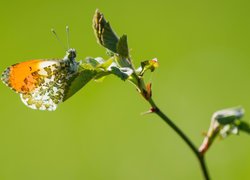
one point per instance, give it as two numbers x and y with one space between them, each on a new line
41 83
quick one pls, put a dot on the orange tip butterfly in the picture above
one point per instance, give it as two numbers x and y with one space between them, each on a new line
42 83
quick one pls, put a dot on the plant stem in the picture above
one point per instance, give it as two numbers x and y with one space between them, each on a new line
199 156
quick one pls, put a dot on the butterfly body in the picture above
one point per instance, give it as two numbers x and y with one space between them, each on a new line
42 83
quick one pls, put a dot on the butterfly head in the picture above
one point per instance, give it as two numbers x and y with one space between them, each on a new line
70 54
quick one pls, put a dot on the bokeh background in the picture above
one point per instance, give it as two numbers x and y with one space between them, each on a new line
99 134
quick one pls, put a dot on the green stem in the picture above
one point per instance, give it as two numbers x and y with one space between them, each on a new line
199 156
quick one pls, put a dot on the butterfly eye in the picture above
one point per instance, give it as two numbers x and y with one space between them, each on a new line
72 53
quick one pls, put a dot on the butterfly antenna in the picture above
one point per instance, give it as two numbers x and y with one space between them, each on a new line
57 37
67 31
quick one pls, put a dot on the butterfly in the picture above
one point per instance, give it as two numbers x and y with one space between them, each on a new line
42 83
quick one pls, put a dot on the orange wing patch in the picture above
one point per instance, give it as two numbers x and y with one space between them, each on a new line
22 77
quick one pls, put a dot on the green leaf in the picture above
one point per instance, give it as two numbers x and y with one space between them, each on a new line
228 116
101 75
122 47
104 68
245 127
225 130
122 73
104 33
98 63
226 120
110 53
94 62
78 81
123 61
148 65
106 64
234 130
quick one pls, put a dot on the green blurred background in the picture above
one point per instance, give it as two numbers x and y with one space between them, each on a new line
99 134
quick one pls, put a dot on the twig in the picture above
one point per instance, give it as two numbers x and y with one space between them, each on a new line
199 155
